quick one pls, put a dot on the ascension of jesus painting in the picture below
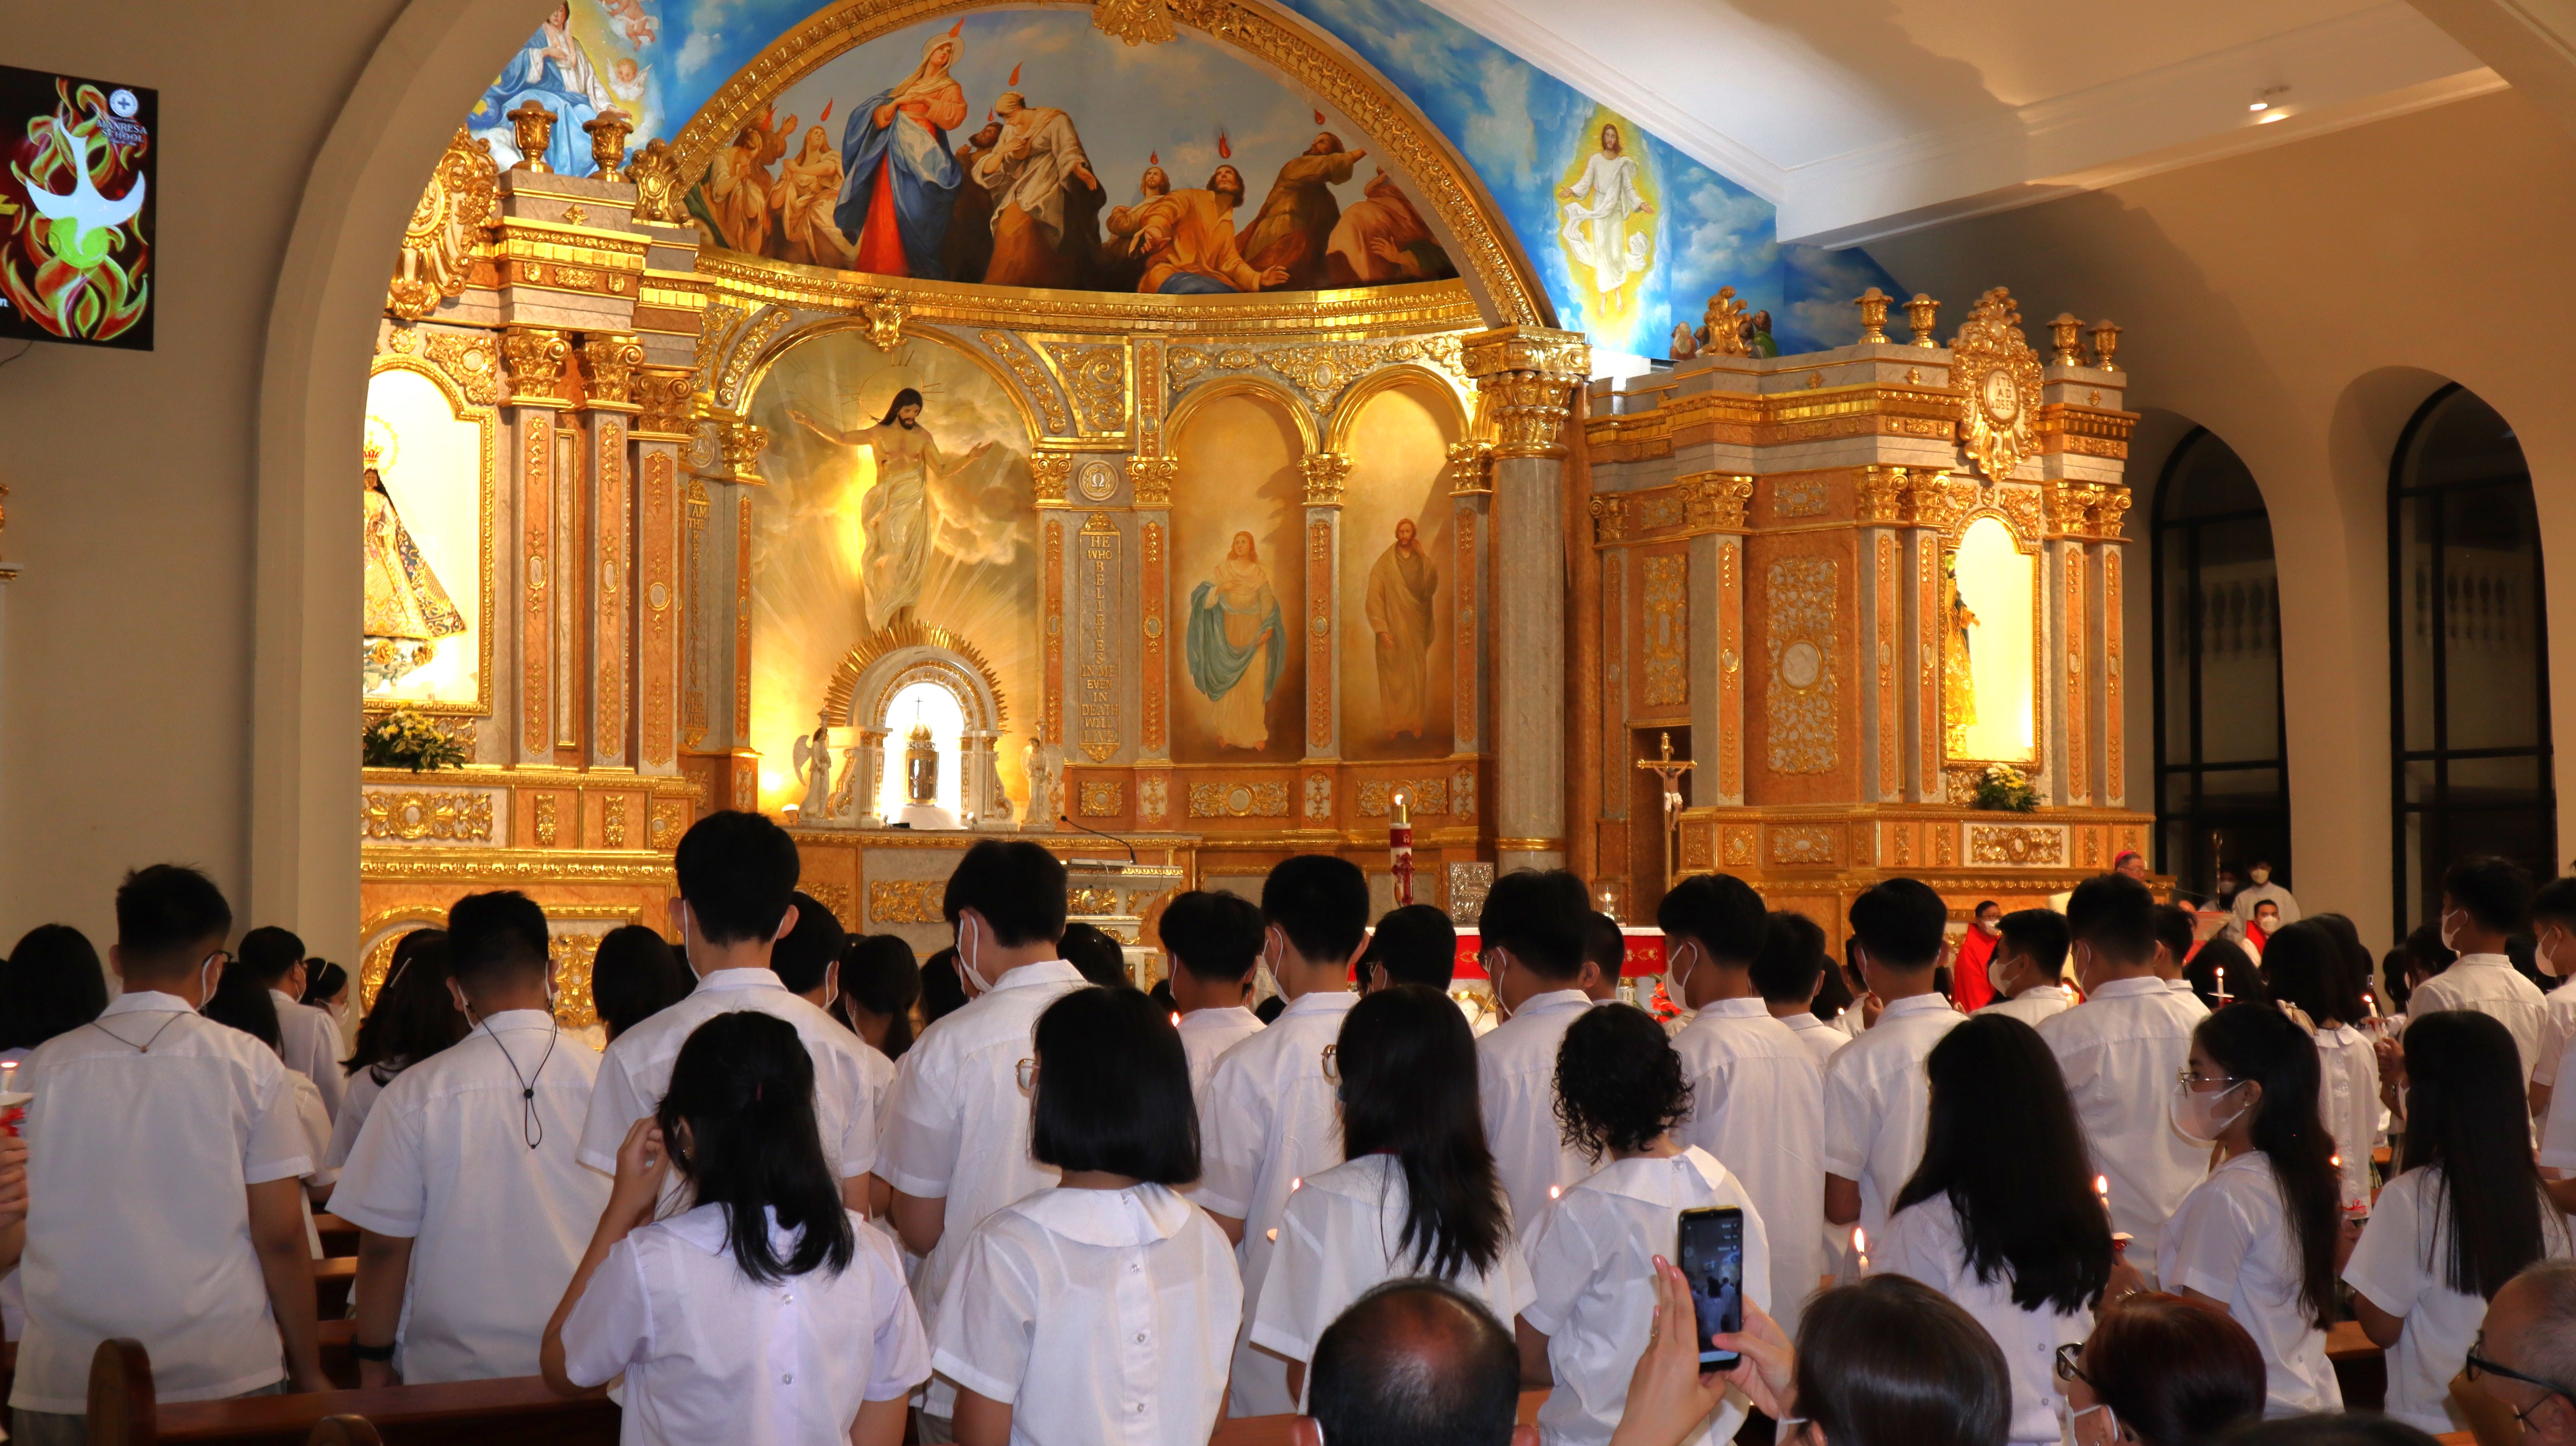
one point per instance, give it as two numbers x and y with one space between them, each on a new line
1025 197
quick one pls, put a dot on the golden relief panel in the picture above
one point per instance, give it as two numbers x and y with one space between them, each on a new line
1423 796
417 815
1804 632
1665 581
1095 377
1991 361
1266 798
906 901
1804 844
1101 797
2016 844
1799 497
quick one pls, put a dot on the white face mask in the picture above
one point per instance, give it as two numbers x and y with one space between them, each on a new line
1996 970
1991 928
2543 948
967 930
2262 876
1674 979
2197 1113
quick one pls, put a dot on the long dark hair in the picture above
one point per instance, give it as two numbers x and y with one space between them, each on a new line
1892 1362
2304 964
327 979
2005 1148
739 1121
1408 1067
2357 960
413 1017
2463 1117
879 975
50 984
241 1001
2258 1042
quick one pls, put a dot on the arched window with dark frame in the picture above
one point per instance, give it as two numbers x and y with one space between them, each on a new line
2468 651
2222 792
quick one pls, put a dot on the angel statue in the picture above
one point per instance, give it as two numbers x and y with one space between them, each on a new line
1721 332
814 766
1044 764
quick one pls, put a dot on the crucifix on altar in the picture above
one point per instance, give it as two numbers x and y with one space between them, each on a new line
1670 771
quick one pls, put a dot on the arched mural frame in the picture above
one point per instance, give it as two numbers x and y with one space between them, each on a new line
864 687
828 325
1346 412
1310 436
1489 253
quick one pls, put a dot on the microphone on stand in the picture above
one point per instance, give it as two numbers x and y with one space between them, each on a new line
1113 838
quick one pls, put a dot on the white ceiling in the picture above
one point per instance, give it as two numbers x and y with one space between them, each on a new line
1865 118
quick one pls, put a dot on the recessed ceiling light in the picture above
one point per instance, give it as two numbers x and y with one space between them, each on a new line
2265 98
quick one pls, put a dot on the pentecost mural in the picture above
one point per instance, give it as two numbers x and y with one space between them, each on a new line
75 209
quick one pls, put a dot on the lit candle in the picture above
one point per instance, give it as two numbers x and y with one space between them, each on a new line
2370 1004
1176 1019
1860 1248
2102 1187
1555 1192
2221 991
1399 844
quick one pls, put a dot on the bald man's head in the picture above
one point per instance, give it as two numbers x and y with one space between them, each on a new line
2530 1329
1415 1363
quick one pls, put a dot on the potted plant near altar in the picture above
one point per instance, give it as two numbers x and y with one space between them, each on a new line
2006 789
404 738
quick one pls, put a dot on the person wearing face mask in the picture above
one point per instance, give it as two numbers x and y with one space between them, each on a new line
2257 1238
1267 1119
1532 931
2026 964
471 1206
2176 934
2258 889
2160 1370
2120 1050
2553 952
2483 900
1971 985
808 962
1875 1089
1757 1092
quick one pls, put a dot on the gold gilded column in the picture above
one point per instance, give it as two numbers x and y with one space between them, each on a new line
1525 380
608 373
1326 472
661 429
533 361
1050 471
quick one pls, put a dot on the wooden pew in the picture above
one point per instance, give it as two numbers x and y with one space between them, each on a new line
520 1411
1273 1430
339 1237
333 1281
344 1431
2360 1368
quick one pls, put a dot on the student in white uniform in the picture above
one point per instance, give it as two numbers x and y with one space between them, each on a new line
2303 968
2483 901
2257 1237
242 1002
414 1018
1875 1092
2553 952
1592 1253
2464 1215
737 878
1267 1119
1757 1093
1605 958
50 984
310 1037
808 962
1788 973
2029 958
187 1235
471 1204
1415 944
1417 1195
763 1314
633 977
2001 1216
2175 935
1532 933
2120 1050
1103 1307
1214 942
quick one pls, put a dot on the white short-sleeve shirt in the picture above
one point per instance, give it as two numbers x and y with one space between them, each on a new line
1340 1239
2121 1052
958 1124
355 1102
2181 989
2400 1265
2348 1099
316 1119
310 1040
1591 1263
2231 1239
1878 1101
711 1356
1758 1106
1923 1241
2033 1004
2557 1031
138 1224
1516 1085
636 1070
1209 1033
1820 1038
496 1227
2489 984
1096 1316
1267 1121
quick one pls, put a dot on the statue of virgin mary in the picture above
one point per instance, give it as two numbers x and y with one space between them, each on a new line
1234 621
407 612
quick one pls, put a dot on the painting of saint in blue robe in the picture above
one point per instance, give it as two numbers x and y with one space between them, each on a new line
900 179
1234 629
553 70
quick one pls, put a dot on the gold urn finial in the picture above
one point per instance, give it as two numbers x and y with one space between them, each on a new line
1920 314
2066 334
2106 342
608 136
533 127
1873 305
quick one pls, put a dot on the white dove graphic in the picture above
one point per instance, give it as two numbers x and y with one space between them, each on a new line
85 208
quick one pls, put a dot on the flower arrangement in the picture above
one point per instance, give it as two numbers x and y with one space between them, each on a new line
2006 789
404 738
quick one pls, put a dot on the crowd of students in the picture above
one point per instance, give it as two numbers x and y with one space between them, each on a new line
2103 1205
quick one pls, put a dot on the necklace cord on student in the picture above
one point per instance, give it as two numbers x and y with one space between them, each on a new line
532 1128
146 1046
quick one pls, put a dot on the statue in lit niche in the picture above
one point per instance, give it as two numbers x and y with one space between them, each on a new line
1958 682
407 611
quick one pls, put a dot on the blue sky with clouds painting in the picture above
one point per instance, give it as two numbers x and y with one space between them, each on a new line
1522 130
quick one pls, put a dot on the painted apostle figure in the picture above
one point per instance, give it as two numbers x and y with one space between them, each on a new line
1234 627
1400 590
1296 219
901 186
894 516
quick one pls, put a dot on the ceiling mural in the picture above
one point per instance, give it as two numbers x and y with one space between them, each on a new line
1021 146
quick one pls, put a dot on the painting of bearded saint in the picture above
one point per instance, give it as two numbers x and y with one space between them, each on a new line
902 179
1400 591
894 515
1234 633
407 612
